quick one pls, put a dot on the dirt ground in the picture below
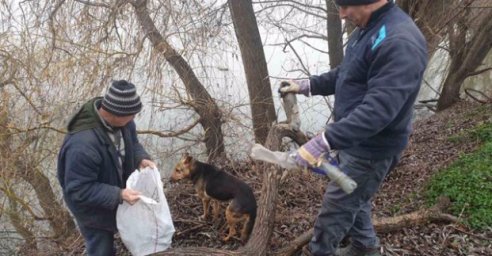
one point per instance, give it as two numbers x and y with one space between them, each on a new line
300 196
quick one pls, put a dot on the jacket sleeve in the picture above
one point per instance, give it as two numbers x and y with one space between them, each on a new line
81 179
393 78
324 84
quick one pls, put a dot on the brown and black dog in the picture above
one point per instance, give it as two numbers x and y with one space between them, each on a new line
212 183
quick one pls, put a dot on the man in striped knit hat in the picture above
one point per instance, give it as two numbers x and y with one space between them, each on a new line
98 154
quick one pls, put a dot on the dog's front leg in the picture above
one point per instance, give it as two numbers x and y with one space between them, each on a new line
206 203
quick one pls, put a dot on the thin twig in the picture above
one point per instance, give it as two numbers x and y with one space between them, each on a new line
189 229
469 233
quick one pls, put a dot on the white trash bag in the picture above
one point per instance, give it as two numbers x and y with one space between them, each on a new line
145 227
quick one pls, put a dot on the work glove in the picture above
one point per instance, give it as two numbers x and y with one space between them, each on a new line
298 87
308 154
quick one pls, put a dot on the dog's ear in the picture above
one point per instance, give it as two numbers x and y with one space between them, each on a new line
187 158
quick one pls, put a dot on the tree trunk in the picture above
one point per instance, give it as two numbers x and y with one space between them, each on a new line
432 17
13 162
60 220
203 103
450 93
21 226
335 35
465 55
255 67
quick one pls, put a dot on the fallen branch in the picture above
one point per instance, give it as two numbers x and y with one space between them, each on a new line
385 225
433 214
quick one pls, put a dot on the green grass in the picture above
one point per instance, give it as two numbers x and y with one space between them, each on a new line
468 181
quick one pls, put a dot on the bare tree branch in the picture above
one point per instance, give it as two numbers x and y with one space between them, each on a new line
170 134
478 72
94 4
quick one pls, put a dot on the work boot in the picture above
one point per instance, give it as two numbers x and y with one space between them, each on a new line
351 250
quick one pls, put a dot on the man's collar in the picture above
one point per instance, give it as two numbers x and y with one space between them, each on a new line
379 12
97 105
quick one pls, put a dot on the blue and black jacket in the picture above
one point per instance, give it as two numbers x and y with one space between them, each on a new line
89 170
375 86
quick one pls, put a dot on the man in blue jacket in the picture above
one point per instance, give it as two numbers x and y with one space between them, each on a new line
98 155
375 88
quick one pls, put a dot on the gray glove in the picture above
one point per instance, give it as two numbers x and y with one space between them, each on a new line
309 154
298 87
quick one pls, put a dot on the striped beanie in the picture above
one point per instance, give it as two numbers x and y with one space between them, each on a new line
354 2
122 99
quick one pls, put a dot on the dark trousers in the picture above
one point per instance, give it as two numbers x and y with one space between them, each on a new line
98 242
344 214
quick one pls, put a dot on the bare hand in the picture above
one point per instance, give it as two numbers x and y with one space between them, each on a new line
130 196
146 163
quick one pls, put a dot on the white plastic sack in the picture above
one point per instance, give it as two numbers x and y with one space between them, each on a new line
145 227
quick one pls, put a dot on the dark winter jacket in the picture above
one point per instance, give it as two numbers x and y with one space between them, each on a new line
89 171
375 86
